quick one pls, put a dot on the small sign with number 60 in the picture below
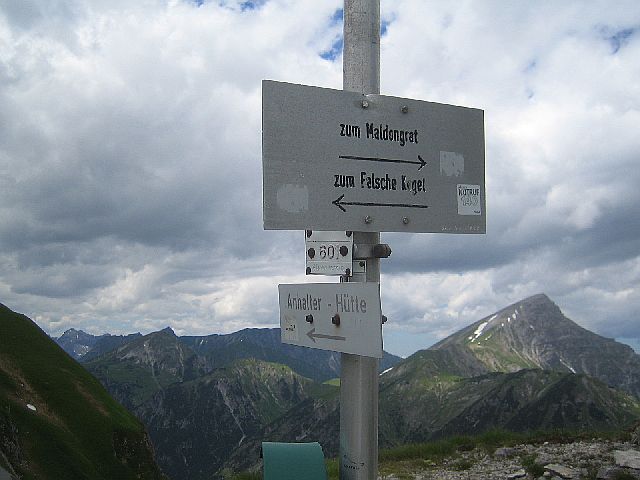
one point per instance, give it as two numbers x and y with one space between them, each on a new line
328 253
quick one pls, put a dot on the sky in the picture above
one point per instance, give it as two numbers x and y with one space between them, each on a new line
131 171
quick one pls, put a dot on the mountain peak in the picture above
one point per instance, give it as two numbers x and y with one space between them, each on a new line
536 316
72 332
168 330
539 299
166 334
534 333
76 342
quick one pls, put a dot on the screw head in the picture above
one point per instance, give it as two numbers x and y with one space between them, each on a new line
336 320
365 104
404 109
405 220
368 219
347 272
349 233
311 252
309 318
308 232
308 270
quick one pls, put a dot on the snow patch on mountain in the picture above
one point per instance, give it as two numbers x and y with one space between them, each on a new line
479 330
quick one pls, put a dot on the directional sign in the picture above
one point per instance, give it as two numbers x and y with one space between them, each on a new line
339 160
341 317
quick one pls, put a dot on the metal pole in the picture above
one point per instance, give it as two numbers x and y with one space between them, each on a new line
359 375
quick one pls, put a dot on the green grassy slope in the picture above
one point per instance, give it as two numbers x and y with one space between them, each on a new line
77 430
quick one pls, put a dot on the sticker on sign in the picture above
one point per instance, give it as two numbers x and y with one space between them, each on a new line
341 317
338 160
469 200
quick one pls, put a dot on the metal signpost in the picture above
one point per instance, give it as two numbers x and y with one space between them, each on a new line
345 166
359 375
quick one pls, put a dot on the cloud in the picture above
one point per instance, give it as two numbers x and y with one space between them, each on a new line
130 160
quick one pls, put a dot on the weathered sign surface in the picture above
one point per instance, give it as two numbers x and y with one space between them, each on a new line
339 160
341 317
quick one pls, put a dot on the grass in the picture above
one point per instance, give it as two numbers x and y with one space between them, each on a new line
531 466
624 476
242 476
462 464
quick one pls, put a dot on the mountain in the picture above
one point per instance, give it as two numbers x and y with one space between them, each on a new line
414 409
198 407
209 401
526 367
106 343
534 333
138 369
196 425
259 343
84 346
265 344
56 420
76 342
312 420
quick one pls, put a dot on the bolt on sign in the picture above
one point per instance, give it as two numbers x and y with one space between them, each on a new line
340 160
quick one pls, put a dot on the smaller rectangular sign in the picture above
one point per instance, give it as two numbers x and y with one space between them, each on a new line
341 317
328 253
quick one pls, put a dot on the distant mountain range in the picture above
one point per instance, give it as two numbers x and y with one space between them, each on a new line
84 346
56 420
209 401
218 350
218 389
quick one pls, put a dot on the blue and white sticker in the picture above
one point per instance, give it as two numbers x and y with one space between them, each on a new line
469 200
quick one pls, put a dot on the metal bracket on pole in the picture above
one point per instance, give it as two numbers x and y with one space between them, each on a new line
365 251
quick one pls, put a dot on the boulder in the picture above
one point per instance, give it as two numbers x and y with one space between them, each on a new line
518 474
627 458
560 471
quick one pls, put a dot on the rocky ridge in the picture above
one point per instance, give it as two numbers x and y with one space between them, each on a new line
213 351
584 460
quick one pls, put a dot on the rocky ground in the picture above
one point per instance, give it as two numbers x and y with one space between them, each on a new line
594 459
